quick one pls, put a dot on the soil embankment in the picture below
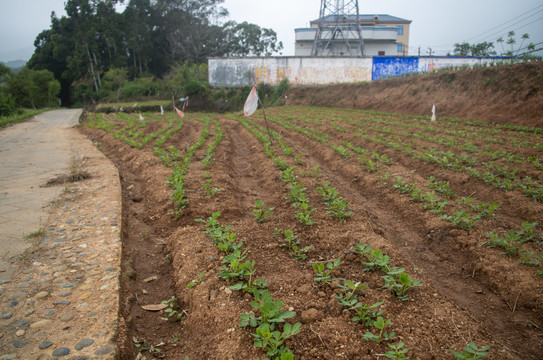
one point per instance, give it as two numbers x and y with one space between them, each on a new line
511 94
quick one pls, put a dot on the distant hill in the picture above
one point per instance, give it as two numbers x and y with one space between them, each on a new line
15 64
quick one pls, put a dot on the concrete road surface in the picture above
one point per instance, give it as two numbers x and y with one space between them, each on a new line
31 153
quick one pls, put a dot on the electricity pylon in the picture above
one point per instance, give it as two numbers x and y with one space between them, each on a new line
339 32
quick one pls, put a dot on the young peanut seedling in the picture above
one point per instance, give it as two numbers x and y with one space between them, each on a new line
380 324
397 351
324 271
348 297
273 341
261 214
471 351
271 311
365 313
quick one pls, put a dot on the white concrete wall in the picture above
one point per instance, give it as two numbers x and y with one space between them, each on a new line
298 70
306 70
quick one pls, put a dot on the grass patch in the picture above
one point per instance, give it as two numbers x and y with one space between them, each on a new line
36 234
20 116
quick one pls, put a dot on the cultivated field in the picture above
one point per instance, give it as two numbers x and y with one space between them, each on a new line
337 233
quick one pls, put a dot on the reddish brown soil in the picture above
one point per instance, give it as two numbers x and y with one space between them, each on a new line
470 292
511 94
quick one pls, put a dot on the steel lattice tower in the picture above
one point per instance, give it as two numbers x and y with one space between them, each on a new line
339 32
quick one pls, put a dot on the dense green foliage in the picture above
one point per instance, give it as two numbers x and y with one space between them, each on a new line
95 51
28 89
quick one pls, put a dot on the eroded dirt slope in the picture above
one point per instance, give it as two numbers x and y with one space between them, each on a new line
511 94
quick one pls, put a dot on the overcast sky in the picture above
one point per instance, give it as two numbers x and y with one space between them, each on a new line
433 26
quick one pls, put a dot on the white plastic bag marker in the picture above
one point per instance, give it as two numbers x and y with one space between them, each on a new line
434 112
252 102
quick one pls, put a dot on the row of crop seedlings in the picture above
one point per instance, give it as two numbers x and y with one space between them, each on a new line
375 161
494 155
207 161
268 321
336 206
396 279
180 169
100 121
477 129
501 177
241 271
134 134
431 201
530 187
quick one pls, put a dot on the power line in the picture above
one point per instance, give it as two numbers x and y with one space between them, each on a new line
523 26
499 26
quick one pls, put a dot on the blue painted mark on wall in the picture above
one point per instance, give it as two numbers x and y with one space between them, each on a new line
384 66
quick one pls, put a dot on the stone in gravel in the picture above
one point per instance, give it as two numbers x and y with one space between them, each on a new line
19 343
68 285
43 273
27 278
49 312
61 352
67 317
41 295
23 285
13 303
6 315
20 333
109 268
79 277
18 295
8 356
30 302
63 302
30 312
20 323
45 344
85 296
40 324
65 293
83 344
103 350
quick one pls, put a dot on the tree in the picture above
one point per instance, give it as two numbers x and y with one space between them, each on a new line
7 104
480 49
114 80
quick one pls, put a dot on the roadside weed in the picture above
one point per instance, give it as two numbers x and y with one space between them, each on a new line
195 282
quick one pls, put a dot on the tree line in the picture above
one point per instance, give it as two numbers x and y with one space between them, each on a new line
95 50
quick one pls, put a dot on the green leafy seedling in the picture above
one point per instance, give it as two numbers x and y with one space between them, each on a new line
397 351
261 214
324 271
471 351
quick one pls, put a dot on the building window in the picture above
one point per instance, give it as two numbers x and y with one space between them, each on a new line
400 30
399 47
381 53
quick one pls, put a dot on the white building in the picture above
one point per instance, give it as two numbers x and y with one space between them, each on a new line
382 34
